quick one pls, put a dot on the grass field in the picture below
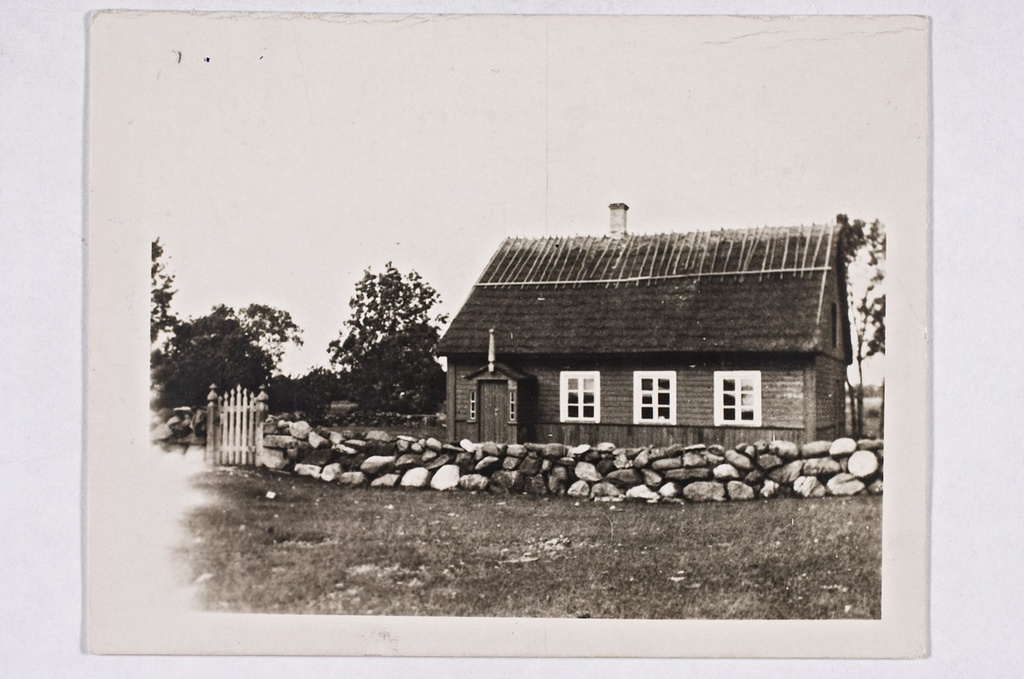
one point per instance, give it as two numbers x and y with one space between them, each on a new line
872 417
320 548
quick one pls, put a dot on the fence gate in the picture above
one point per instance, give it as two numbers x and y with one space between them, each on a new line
234 433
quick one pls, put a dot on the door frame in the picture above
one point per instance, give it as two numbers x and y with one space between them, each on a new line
511 414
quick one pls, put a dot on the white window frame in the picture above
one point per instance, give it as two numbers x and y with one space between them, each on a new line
472 404
741 377
638 405
563 395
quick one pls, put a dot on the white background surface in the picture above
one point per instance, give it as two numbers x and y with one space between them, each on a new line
976 550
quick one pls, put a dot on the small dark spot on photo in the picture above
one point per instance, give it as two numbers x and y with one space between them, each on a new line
207 59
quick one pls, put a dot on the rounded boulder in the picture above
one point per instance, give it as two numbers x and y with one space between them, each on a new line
704 491
587 472
808 486
300 430
863 464
787 450
738 460
845 484
417 477
738 490
843 446
445 478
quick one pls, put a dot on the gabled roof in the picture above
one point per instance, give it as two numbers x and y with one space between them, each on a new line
731 290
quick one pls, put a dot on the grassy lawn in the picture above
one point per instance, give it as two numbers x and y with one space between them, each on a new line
321 548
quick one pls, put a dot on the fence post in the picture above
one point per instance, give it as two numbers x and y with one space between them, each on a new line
212 424
261 417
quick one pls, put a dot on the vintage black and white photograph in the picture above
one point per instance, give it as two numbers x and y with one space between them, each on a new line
485 318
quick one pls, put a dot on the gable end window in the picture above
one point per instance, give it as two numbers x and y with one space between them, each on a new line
580 396
654 397
738 398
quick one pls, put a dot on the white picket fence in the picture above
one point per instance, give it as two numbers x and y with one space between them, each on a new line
235 421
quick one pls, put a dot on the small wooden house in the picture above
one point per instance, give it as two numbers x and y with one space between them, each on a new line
703 337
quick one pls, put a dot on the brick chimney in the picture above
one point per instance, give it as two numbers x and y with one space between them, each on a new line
618 219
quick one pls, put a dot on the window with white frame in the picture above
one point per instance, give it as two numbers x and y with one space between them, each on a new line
738 398
580 396
512 406
654 397
472 406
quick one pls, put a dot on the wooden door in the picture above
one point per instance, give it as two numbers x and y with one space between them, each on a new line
494 414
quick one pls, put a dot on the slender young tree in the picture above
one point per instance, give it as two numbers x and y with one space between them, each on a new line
864 250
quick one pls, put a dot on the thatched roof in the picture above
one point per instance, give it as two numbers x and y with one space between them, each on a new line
730 290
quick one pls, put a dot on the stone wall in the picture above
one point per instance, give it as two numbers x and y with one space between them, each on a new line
178 426
603 471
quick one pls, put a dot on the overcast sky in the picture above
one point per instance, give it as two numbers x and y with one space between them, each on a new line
277 159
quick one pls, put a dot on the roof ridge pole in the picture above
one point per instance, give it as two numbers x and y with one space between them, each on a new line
806 233
537 260
824 274
677 252
817 248
565 262
688 243
544 264
660 267
558 270
608 242
493 260
656 267
703 253
718 244
743 252
506 261
629 238
643 262
583 263
691 261
670 251
523 257
530 261
761 240
767 249
553 264
785 251
553 270
728 253
755 240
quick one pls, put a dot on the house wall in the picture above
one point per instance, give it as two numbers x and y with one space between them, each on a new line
782 401
833 295
830 393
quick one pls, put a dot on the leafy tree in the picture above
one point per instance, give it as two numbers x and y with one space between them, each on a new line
161 320
864 251
386 348
225 347
272 327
